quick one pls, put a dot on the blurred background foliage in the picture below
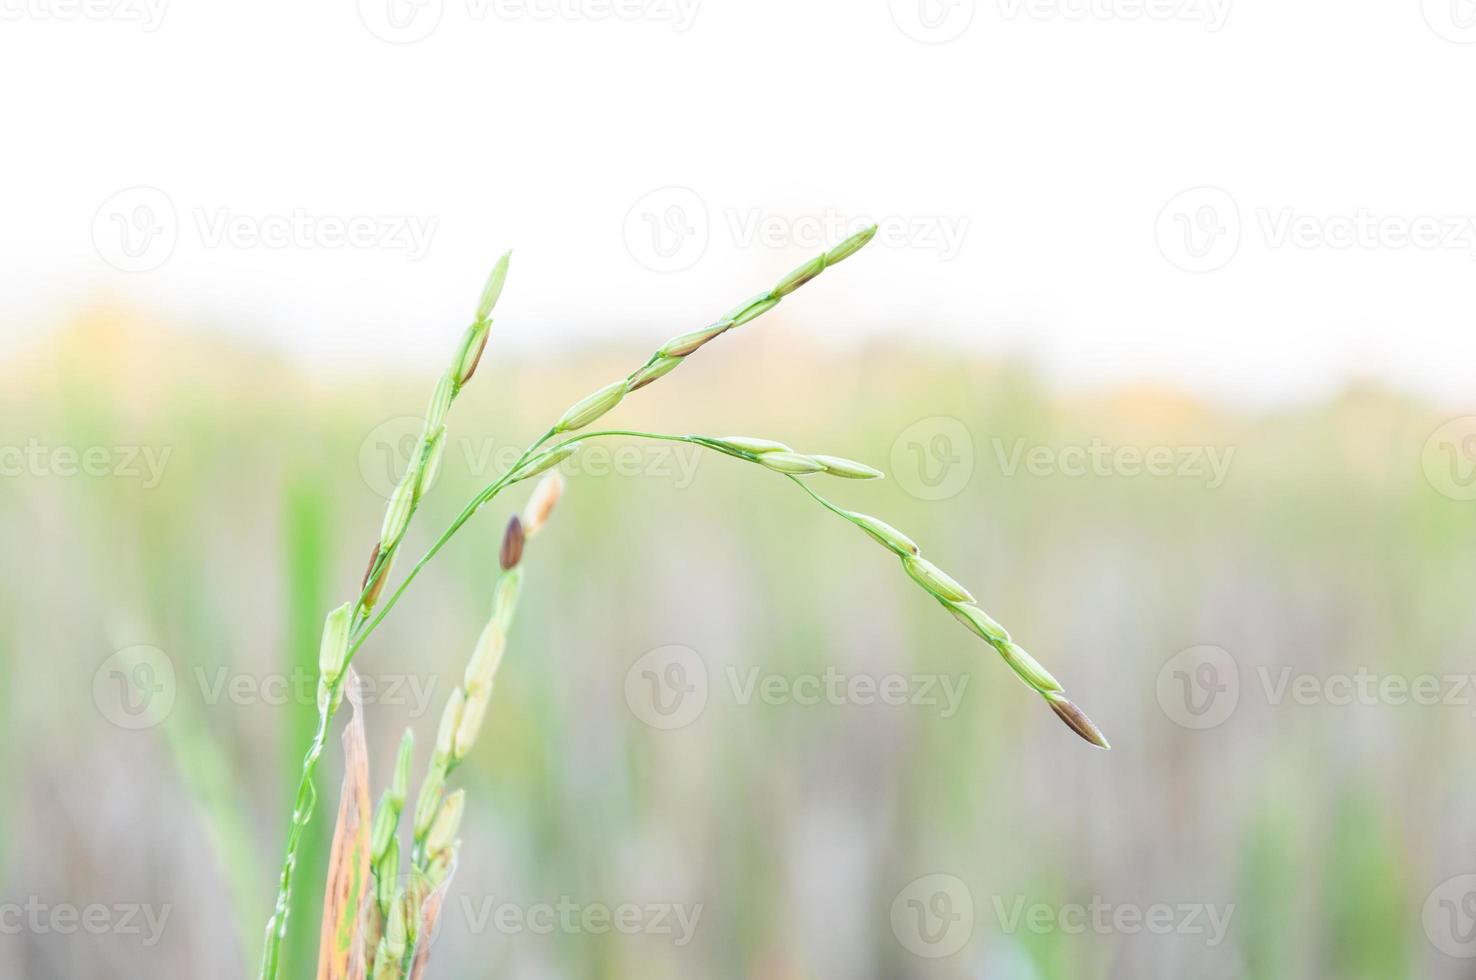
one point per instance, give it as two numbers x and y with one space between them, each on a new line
794 827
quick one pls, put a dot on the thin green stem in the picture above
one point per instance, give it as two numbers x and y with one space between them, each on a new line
330 696
707 442
838 511
362 626
487 493
302 812
306 795
482 498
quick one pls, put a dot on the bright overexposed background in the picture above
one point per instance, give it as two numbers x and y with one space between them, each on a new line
1047 138
1237 236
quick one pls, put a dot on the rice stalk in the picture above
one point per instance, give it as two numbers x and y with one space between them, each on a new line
403 503
939 584
400 917
590 408
438 815
384 845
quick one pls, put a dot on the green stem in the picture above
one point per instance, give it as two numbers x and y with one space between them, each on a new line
838 511
362 630
418 857
467 512
306 798
497 486
302 812
709 443
484 496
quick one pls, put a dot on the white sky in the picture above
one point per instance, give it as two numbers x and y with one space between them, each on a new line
1030 167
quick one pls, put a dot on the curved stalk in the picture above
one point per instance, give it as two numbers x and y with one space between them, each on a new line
483 497
401 510
404 504
949 593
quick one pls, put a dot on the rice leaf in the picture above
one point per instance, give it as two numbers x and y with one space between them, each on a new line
340 952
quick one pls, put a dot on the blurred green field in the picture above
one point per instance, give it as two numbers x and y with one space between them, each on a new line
792 833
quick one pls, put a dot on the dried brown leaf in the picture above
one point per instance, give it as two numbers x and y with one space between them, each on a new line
341 955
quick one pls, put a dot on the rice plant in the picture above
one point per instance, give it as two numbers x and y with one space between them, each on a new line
371 927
